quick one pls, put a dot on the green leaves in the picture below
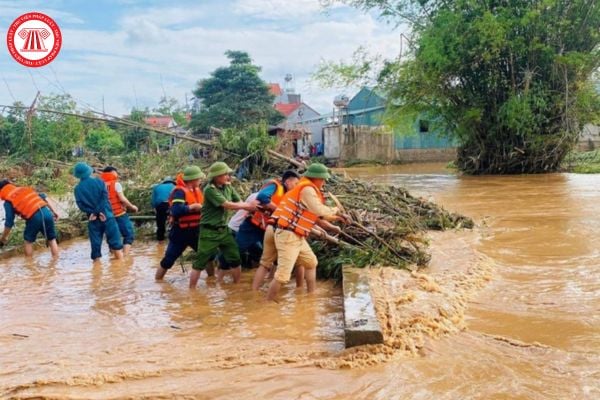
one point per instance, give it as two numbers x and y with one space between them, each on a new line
253 139
104 141
234 96
510 80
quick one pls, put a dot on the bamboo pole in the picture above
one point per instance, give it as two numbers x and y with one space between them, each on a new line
300 165
121 121
366 230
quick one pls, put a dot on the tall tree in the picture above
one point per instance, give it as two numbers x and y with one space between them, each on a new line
510 79
234 96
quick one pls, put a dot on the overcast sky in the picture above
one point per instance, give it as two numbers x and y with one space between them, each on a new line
130 51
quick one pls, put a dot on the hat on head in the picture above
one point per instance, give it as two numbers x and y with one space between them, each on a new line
192 172
168 179
217 169
82 170
317 170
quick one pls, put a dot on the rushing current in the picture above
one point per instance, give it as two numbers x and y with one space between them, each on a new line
510 310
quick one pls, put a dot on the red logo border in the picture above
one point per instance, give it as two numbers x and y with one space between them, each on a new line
12 29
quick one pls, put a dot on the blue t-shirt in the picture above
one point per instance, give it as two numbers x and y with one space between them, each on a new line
264 196
161 193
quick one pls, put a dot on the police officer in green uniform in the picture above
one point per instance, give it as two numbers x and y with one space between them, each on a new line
215 236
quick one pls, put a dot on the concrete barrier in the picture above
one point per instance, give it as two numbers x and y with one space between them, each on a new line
361 325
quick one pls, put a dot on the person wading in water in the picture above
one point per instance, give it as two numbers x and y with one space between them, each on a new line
297 214
160 204
185 205
91 197
34 209
260 225
119 204
215 236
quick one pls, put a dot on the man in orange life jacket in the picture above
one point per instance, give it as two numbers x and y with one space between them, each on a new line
32 207
119 204
251 234
185 207
297 214
259 225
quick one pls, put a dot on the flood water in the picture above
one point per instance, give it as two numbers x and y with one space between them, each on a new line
70 329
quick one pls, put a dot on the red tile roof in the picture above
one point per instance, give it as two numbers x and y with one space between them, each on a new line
160 122
286 109
275 89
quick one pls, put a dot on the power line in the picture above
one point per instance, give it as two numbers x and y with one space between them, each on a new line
33 80
8 87
56 78
61 88
118 120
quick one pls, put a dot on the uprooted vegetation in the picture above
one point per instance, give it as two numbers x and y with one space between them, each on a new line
388 221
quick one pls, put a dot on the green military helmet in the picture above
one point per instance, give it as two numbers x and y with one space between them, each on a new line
192 172
317 170
217 169
82 170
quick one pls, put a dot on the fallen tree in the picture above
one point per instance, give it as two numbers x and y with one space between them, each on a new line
388 221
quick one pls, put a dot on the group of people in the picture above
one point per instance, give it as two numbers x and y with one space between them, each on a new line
269 229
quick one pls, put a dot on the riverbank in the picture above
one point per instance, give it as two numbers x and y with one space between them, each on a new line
583 162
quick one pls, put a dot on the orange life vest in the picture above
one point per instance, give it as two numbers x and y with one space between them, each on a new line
110 178
192 196
24 200
292 215
262 218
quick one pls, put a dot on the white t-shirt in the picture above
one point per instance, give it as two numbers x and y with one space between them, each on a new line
240 215
118 187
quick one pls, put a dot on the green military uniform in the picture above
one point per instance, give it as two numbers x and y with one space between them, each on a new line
215 236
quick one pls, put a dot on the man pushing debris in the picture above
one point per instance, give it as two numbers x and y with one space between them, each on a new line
185 205
215 236
297 214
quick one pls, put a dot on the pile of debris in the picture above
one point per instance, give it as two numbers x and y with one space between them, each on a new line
386 229
387 226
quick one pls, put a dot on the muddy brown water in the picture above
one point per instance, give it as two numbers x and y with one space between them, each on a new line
508 311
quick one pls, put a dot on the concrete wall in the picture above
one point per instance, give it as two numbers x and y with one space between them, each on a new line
345 143
369 143
332 142
589 139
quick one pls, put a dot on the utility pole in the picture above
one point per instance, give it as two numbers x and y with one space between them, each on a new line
28 123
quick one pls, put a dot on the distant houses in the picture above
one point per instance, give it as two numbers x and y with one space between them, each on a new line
357 132
167 123
296 135
161 122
